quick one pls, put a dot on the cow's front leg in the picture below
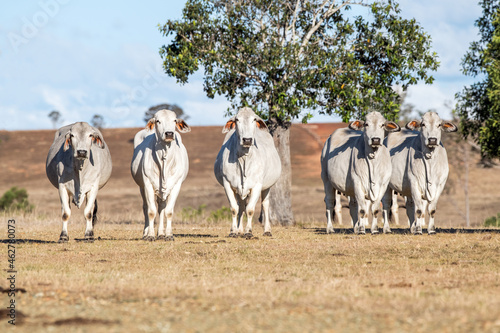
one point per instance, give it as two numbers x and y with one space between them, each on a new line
375 209
363 206
250 209
233 203
265 209
149 197
169 210
431 229
161 217
88 212
420 208
386 204
66 213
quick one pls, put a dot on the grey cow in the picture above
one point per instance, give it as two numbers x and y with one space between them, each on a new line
159 166
355 163
78 165
419 169
247 166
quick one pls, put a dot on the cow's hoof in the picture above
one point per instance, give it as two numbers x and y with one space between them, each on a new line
330 231
268 234
169 238
160 237
232 235
248 235
387 231
63 239
431 232
374 232
89 239
149 238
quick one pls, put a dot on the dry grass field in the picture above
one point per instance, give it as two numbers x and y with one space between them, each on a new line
300 280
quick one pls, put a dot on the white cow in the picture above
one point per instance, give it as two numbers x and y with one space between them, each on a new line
419 169
247 166
78 165
159 166
355 163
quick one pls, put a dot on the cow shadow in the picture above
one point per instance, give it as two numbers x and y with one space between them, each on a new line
26 241
141 239
406 231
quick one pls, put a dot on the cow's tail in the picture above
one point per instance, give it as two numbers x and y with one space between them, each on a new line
94 214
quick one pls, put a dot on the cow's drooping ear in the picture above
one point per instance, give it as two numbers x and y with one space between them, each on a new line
413 125
356 125
231 123
448 126
182 126
391 126
151 124
97 140
261 124
67 142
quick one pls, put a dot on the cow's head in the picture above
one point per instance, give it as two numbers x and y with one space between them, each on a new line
430 128
81 137
374 126
165 123
245 122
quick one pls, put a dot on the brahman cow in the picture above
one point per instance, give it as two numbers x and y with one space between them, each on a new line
159 166
355 163
78 164
247 166
419 169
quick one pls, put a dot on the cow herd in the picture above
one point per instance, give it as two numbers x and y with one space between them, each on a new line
360 162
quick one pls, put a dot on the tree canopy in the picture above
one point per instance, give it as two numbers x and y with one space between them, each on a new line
479 104
172 107
97 121
286 59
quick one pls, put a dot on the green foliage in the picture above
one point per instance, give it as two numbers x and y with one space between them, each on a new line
479 104
193 214
221 214
286 61
190 214
493 221
15 199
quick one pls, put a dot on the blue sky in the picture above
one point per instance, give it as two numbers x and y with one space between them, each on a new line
101 57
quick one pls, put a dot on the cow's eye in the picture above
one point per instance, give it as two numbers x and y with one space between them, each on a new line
365 125
157 121
236 120
422 125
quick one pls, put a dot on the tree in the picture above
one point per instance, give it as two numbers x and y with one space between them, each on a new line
479 104
97 121
172 107
287 59
55 118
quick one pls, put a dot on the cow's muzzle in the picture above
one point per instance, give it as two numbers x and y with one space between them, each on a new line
432 142
375 142
81 154
247 142
169 136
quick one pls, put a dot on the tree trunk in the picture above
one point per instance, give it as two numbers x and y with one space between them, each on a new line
280 196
